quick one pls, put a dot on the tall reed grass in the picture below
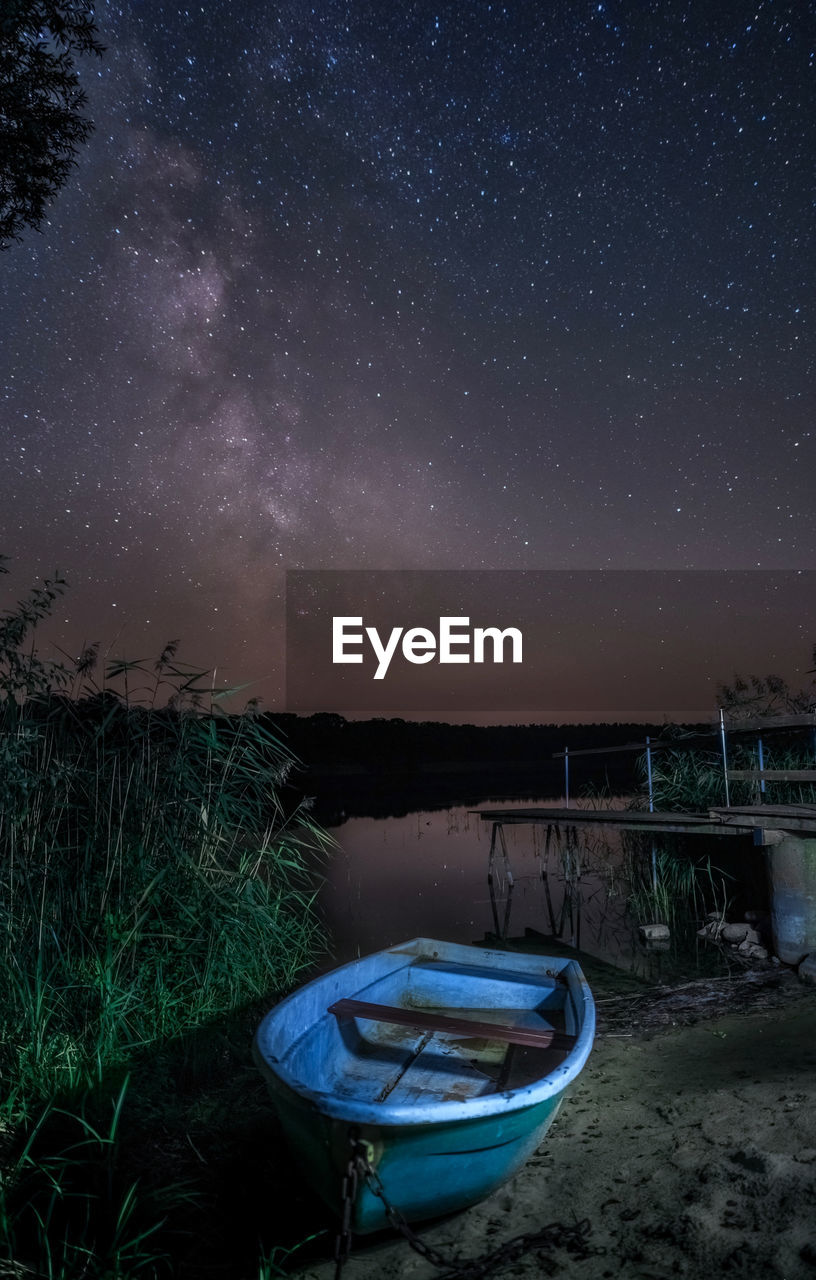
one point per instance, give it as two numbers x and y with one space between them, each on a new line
153 880
668 887
150 880
685 778
692 779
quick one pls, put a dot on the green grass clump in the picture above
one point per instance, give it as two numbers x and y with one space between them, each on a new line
692 779
154 882
150 880
66 1210
669 888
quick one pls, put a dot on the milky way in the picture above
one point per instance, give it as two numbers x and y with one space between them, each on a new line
464 285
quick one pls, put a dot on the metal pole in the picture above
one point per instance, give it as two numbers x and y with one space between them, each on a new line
651 809
725 759
566 775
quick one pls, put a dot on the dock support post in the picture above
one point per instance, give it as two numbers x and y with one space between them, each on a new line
507 871
545 873
491 888
792 874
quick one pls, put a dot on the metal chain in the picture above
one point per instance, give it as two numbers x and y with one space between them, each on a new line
351 1181
572 1238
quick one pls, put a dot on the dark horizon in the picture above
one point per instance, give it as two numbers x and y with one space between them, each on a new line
630 646
644 646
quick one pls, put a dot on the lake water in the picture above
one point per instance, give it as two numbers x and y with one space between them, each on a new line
426 874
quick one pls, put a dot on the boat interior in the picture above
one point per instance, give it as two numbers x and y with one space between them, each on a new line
405 1037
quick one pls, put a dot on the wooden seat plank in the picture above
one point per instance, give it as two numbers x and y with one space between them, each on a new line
546 1038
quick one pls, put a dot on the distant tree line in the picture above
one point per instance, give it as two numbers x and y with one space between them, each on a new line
327 741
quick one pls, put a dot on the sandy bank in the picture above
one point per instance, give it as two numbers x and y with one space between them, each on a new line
691 1150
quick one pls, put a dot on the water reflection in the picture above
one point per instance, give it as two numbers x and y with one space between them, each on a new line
426 874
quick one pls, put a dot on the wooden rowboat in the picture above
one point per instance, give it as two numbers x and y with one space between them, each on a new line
447 1062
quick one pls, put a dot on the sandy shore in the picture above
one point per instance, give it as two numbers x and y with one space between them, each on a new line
691 1150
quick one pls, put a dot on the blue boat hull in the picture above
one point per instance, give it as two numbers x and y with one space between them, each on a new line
444 1120
426 1170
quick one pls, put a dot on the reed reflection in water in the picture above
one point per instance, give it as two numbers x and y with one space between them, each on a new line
426 874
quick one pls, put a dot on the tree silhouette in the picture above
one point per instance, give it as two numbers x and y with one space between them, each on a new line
41 103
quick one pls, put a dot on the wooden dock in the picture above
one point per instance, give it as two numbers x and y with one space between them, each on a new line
788 832
738 820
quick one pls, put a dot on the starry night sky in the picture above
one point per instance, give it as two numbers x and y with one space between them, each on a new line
373 285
